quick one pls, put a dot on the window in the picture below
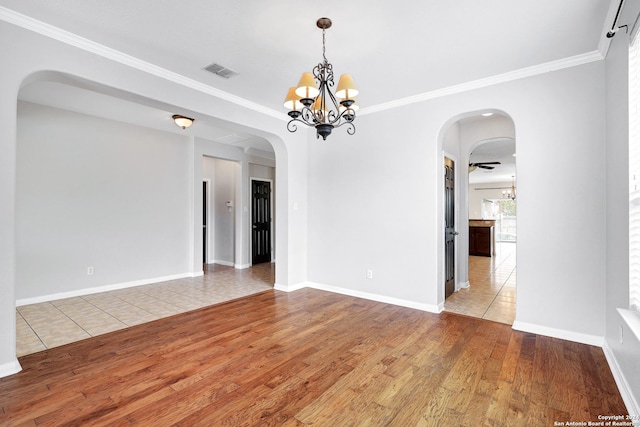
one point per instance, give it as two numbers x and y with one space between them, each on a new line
503 211
634 175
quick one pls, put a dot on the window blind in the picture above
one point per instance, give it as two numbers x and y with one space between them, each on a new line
634 175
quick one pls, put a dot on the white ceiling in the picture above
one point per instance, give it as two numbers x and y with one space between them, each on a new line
494 150
393 50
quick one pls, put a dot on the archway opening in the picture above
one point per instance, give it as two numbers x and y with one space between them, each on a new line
108 199
483 142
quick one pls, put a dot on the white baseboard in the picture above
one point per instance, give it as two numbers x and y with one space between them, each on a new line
379 298
10 368
221 262
463 285
289 288
559 333
364 295
633 408
105 288
230 264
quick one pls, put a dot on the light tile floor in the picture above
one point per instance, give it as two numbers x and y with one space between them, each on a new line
51 324
492 294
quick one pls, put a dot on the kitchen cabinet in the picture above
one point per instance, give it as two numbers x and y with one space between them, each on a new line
481 238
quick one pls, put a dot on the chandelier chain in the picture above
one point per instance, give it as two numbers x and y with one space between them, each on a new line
323 45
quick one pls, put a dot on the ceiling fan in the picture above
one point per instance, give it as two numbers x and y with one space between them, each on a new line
482 165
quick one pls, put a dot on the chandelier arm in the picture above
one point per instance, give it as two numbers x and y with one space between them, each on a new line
347 116
291 126
351 129
308 116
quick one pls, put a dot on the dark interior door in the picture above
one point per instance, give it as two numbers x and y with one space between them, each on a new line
449 227
261 222
204 224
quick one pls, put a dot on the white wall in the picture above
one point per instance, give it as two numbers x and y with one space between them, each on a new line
376 202
371 203
224 190
451 140
97 193
222 175
262 171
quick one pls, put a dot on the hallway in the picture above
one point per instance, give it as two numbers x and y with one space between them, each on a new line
492 294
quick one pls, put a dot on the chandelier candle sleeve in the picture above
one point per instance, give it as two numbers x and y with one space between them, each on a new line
313 103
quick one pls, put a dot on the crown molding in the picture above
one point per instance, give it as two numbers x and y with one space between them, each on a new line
546 67
85 44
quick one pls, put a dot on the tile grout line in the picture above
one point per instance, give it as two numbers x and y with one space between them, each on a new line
104 311
68 317
33 330
115 295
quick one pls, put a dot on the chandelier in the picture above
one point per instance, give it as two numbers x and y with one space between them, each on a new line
510 194
313 104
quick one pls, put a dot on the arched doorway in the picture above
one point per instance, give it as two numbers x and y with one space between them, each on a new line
484 143
121 202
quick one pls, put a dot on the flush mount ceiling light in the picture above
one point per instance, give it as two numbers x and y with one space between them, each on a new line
313 104
182 121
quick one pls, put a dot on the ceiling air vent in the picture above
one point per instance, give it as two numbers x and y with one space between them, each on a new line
220 70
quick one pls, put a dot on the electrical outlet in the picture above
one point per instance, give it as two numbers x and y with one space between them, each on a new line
369 274
89 271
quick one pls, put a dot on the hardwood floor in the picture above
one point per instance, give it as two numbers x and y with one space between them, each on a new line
312 358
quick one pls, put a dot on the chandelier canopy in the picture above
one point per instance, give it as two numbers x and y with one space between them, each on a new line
313 103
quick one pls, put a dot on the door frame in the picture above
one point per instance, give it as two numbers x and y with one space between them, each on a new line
271 211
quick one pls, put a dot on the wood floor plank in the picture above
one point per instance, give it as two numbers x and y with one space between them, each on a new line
600 386
336 398
311 358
